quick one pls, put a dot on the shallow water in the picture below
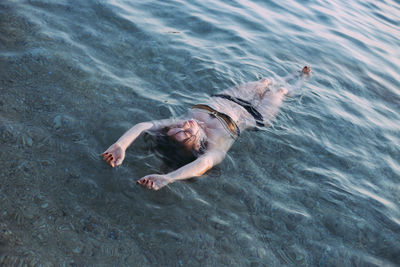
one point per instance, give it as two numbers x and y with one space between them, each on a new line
318 188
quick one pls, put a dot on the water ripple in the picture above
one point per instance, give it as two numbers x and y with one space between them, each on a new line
319 187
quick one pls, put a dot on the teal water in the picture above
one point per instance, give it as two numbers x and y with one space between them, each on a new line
321 187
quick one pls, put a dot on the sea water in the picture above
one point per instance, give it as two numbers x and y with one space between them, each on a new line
320 187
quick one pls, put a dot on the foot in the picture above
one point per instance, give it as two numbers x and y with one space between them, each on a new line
154 181
306 70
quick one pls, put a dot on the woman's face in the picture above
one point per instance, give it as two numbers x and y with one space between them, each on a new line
188 133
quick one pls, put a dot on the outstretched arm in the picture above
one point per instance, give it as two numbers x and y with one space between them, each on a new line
193 169
115 154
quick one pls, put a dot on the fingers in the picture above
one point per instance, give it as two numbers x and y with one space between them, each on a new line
114 155
118 162
148 183
109 158
108 151
142 181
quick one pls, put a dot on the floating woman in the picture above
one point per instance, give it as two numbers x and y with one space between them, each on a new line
200 140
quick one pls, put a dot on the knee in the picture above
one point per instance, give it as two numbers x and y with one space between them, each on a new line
283 91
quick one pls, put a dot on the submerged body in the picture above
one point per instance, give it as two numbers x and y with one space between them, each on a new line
208 130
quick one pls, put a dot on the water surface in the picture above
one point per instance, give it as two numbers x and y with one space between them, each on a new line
321 187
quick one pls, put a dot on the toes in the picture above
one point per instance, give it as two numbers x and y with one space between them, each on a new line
306 70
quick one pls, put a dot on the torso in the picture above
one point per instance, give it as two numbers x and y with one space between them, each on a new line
238 114
262 95
266 100
219 137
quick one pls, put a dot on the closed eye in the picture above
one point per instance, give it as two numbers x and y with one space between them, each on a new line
189 137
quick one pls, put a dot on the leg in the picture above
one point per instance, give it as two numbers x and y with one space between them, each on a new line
283 91
251 91
271 103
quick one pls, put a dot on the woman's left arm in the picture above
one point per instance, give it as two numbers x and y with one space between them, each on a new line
193 169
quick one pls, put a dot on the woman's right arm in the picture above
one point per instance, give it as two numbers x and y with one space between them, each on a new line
115 154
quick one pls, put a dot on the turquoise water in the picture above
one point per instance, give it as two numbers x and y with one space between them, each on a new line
321 187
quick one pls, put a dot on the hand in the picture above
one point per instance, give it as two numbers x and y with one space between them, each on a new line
154 181
114 155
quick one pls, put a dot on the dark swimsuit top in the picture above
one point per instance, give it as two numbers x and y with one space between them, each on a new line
225 119
247 106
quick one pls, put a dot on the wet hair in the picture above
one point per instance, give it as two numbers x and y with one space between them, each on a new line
173 153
